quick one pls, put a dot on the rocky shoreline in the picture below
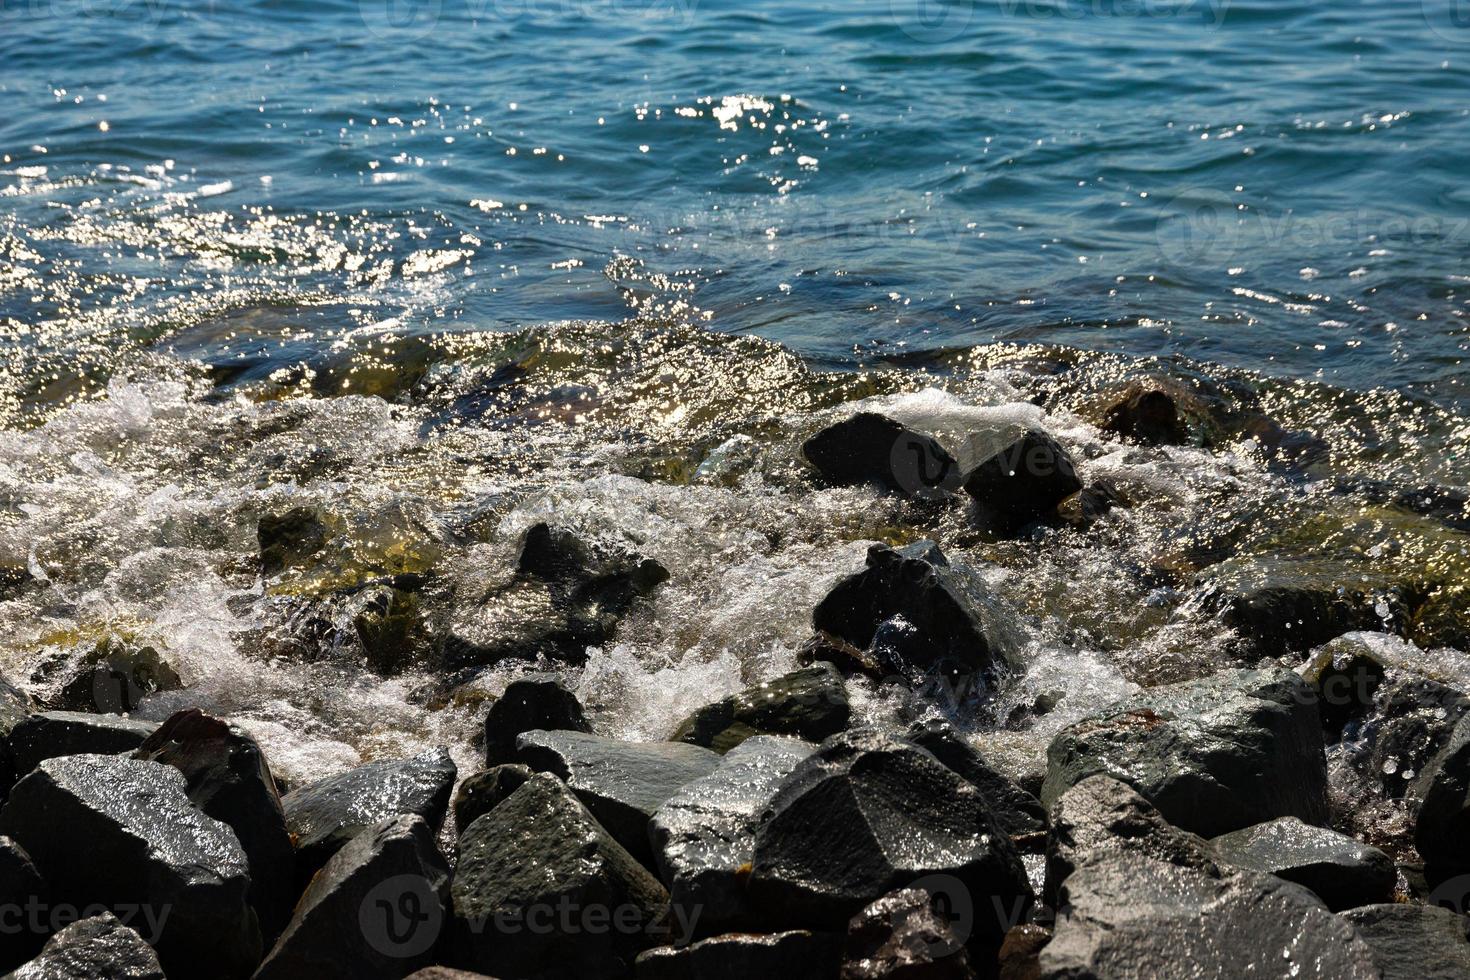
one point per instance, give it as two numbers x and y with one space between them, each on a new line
1198 827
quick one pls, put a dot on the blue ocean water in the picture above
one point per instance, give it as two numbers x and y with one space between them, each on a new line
1278 185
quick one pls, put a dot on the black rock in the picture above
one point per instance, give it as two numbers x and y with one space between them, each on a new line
1416 720
289 539
621 783
226 776
704 835
56 733
15 707
1279 606
874 449
375 910
520 865
868 814
527 705
1414 942
1442 828
1146 414
445 973
99 948
479 794
21 889
1338 869
1344 685
1130 916
1021 484
1020 813
325 815
902 936
1213 755
122 833
810 703
116 677
1101 816
742 956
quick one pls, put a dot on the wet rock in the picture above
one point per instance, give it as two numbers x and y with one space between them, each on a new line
1132 916
1102 816
325 815
289 539
901 935
621 783
391 630
704 835
848 659
56 733
1021 484
99 948
810 704
1020 953
124 833
375 910
1442 827
227 776
115 677
867 814
1344 684
1282 605
445 973
21 888
15 707
1020 814
479 794
874 449
1147 414
1414 942
521 864
916 615
1085 508
1416 720
739 956
1338 869
527 705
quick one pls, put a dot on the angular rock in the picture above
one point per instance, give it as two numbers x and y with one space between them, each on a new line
1021 484
375 910
226 775
867 814
56 733
115 677
325 815
902 937
1281 606
1442 827
1148 415
1020 813
1414 942
1131 916
809 704
1416 720
1213 755
527 705
15 707
521 864
288 539
1340 871
479 794
122 832
869 448
21 888
740 956
704 835
1102 816
621 783
1020 953
99 948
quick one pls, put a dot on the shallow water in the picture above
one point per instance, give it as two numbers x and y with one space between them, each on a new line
254 256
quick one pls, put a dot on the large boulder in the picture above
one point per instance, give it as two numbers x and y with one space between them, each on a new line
743 955
122 833
227 777
21 889
325 815
57 733
869 813
528 704
1414 942
479 794
902 936
1020 813
99 948
1338 869
622 783
704 835
1442 828
1022 483
1213 755
375 910
542 891
1129 916
810 703
869 448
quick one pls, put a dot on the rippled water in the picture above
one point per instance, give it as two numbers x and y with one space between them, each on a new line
260 255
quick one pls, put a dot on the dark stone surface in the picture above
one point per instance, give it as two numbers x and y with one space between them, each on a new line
289 539
869 448
1146 414
902 937
325 815
1415 722
1020 953
622 783
1414 942
57 733
1020 813
1213 755
390 628
1442 828
99 948
115 677
375 910
541 850
445 973
15 707
810 703
527 705
743 956
21 888
1021 484
479 794
1281 606
226 775
1341 872
1129 916
111 831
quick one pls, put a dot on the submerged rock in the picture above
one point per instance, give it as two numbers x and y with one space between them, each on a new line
57 733
810 704
527 705
289 539
390 628
1414 942
1020 814
1280 605
742 955
116 677
543 892
123 832
1213 755
902 937
1147 414
99 948
21 888
869 448
1335 867
479 794
1021 484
